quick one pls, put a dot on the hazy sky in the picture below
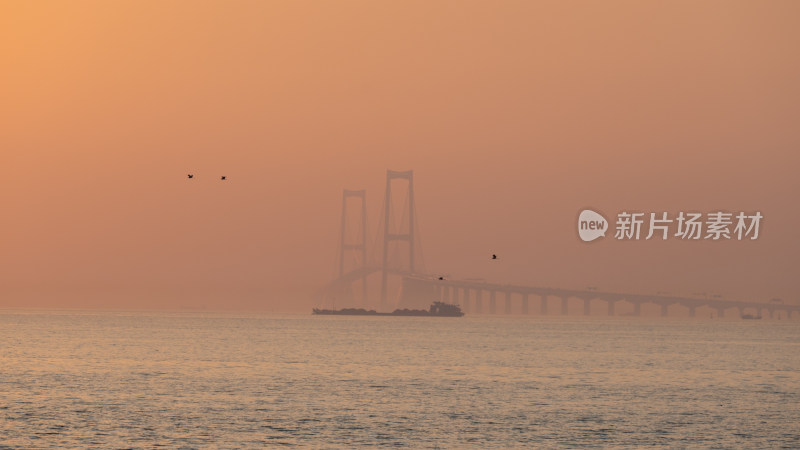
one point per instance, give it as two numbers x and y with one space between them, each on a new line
513 115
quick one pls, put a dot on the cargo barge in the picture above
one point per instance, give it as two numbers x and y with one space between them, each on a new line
437 309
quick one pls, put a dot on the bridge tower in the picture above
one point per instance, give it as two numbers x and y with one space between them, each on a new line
359 247
388 236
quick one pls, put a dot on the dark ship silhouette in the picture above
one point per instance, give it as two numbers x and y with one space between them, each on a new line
437 309
751 317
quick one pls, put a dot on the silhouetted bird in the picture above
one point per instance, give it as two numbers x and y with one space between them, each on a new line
494 256
191 175
441 278
223 178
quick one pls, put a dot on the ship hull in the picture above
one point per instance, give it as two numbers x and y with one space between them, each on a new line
417 313
438 309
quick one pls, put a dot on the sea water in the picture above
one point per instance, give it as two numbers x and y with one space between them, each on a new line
122 380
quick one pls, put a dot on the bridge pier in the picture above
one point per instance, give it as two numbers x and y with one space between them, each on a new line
419 287
360 246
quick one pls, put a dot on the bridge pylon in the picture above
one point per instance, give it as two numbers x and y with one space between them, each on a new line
388 236
359 247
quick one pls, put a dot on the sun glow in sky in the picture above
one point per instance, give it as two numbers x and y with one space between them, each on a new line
513 115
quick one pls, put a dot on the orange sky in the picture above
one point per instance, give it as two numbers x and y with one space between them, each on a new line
514 116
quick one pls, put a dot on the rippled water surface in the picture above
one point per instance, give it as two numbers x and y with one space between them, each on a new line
78 379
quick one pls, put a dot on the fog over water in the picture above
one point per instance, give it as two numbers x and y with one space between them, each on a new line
513 115
171 188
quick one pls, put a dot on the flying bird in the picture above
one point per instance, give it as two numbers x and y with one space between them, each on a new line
223 178
191 175
494 256
441 278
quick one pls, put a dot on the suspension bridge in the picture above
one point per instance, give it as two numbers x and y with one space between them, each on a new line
401 269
